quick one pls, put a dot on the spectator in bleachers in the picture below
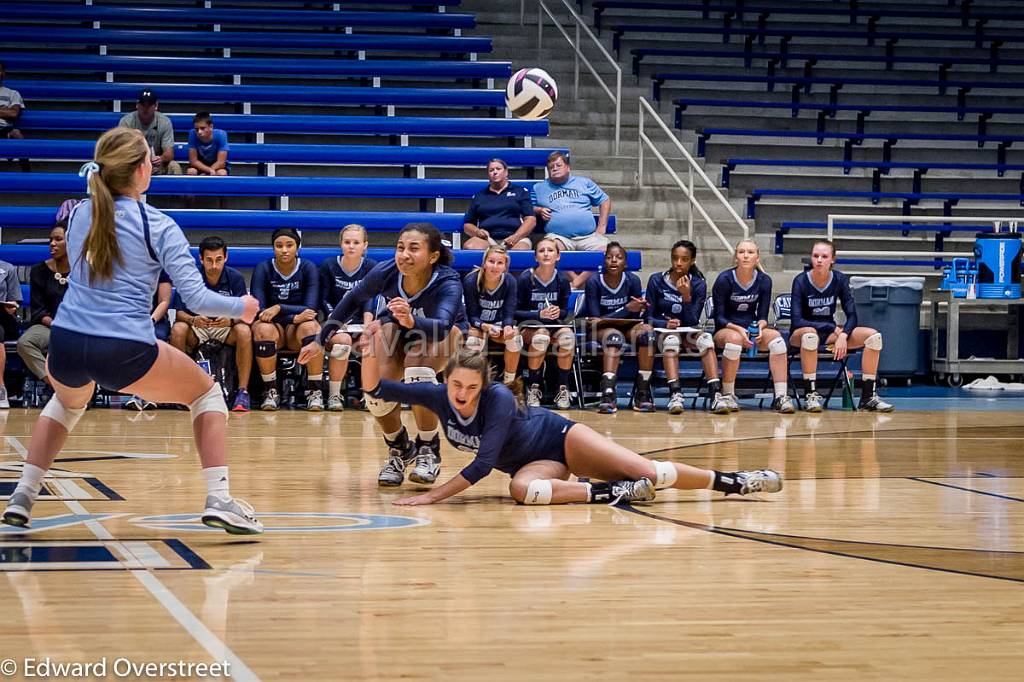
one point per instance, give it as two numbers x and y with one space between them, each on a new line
161 328
48 282
207 147
288 289
157 129
11 105
564 203
10 290
339 274
500 213
191 330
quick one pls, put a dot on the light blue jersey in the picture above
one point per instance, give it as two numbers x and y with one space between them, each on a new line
120 307
570 205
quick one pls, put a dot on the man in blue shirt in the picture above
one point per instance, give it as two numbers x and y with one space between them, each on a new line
564 202
207 147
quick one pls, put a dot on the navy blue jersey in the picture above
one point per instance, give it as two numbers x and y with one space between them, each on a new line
666 303
496 307
294 293
600 300
230 283
814 307
335 282
501 434
535 295
436 308
737 305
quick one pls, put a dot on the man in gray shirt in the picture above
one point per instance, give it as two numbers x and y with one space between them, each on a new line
11 105
158 130
10 301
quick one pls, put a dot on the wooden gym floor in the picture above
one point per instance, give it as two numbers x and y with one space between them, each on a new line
895 551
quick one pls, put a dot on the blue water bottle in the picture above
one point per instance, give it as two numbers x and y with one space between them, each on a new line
752 333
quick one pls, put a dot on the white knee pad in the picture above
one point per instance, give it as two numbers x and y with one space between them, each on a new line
515 344
419 375
476 343
704 343
378 407
566 341
211 401
810 341
538 492
340 351
666 474
777 346
731 351
540 342
56 411
874 342
670 343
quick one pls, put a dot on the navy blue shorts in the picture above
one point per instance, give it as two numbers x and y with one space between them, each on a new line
548 441
76 359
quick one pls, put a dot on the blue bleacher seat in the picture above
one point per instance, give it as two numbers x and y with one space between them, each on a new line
908 199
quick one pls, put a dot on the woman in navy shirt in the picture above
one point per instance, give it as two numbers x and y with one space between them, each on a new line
816 295
742 298
491 296
540 449
500 213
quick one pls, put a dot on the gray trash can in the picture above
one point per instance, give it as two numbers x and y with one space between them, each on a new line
892 305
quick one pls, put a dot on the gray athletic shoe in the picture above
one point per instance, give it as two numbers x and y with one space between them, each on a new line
270 400
533 396
335 404
315 401
19 510
4 402
721 404
676 403
783 404
875 404
562 401
813 402
428 465
393 472
759 481
641 490
232 515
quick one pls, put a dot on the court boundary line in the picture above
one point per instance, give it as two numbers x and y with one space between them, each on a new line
217 649
970 490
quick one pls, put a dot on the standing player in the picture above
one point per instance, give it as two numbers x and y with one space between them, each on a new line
419 331
339 274
491 296
676 299
102 333
816 294
539 448
742 297
614 305
543 309
288 289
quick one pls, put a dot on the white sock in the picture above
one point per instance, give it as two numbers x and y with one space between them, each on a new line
30 481
780 389
710 485
313 378
427 436
729 388
811 376
590 491
217 482
509 377
394 436
645 374
269 378
609 375
335 388
868 377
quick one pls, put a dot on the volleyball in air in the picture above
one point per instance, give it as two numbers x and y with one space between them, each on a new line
531 94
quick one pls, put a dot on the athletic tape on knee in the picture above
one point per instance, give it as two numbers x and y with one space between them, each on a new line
211 401
566 341
614 340
475 343
378 407
670 343
732 351
873 342
419 375
704 343
810 341
265 349
515 344
777 346
56 411
341 351
540 342
665 473
538 492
